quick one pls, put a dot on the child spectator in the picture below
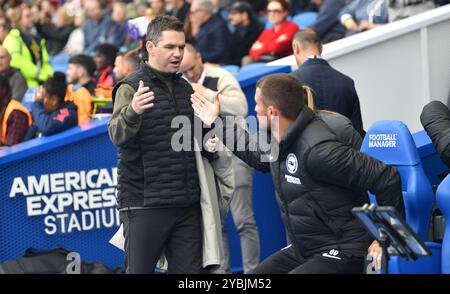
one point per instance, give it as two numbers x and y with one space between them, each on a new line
14 117
51 114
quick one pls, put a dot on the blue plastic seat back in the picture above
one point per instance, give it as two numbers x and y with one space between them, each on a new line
234 69
28 97
253 67
392 143
443 202
60 62
305 19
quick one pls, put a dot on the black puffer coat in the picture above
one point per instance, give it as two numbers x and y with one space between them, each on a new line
318 180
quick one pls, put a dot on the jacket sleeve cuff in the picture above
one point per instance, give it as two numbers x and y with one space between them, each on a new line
345 17
130 115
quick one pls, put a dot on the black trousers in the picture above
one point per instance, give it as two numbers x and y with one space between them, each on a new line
288 261
176 232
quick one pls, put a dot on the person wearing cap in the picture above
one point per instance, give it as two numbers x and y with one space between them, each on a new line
247 30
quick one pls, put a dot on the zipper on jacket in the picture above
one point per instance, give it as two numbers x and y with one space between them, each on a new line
286 208
172 96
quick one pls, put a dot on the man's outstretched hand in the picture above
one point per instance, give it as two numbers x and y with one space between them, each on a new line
142 99
205 110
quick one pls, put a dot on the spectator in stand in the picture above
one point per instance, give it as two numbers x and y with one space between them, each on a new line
125 64
48 11
80 76
180 9
118 32
362 15
81 71
259 6
275 42
5 26
158 7
51 114
16 80
14 117
105 55
28 53
75 44
247 30
141 7
58 34
327 23
212 36
97 25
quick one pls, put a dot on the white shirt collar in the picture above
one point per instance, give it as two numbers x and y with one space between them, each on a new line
201 80
312 56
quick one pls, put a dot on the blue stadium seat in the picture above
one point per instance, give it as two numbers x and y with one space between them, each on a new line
251 67
305 19
234 69
28 98
392 143
60 62
443 201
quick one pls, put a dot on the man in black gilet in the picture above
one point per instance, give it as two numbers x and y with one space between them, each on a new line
158 191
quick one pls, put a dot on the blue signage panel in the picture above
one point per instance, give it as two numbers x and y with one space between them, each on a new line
64 197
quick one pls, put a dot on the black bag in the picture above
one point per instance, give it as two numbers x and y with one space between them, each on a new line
53 261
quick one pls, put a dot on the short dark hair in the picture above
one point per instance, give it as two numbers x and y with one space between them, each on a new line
242 7
86 62
308 37
283 91
162 23
57 86
108 50
132 59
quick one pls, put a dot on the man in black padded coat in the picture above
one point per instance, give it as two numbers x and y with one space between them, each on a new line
317 177
435 119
